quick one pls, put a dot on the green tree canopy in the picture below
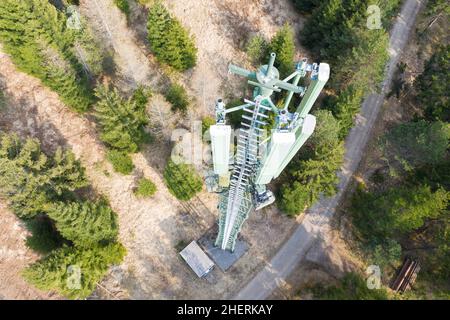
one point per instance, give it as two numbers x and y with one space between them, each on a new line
178 97
337 33
416 143
315 172
145 188
370 50
283 45
31 179
345 107
336 27
121 161
182 180
306 5
169 41
123 5
72 271
40 188
396 211
34 33
433 86
257 49
122 121
85 223
326 134
313 177
207 122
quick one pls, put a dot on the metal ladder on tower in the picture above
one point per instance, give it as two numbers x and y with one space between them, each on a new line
239 201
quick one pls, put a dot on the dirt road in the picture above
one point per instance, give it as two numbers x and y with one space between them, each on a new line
316 224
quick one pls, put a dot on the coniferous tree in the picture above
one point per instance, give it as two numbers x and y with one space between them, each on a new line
182 181
122 121
257 49
370 50
313 178
31 179
74 272
396 211
416 143
90 52
34 33
121 161
283 45
85 223
332 31
178 97
36 183
145 188
306 5
169 41
440 258
337 32
433 86
345 108
123 5
325 136
316 173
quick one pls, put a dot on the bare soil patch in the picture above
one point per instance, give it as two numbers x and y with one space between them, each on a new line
14 257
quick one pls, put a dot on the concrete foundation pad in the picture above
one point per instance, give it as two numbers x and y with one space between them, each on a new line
224 259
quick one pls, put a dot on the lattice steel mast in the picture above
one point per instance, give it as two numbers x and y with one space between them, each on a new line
260 157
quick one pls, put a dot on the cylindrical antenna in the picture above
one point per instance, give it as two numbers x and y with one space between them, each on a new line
271 62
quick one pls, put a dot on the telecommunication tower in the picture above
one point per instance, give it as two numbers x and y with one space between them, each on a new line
263 150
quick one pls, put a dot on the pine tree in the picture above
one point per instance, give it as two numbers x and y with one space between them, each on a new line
334 27
89 51
315 172
283 45
433 86
31 179
65 172
85 223
306 5
337 32
416 143
74 272
329 32
34 33
257 49
36 183
396 211
122 121
123 5
345 108
178 97
326 134
182 180
169 41
370 49
145 188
